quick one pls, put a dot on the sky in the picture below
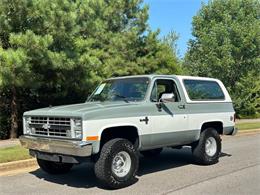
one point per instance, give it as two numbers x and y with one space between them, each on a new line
174 15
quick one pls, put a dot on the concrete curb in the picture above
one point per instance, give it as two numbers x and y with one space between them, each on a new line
17 164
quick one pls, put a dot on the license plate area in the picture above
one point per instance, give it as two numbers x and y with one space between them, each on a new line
54 157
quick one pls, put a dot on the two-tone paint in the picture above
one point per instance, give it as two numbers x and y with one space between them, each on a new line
176 123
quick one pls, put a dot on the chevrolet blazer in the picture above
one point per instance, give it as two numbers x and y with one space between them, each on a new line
129 115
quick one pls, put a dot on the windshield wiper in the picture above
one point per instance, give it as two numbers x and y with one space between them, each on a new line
121 96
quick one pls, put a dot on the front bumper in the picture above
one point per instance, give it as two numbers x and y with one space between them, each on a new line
56 146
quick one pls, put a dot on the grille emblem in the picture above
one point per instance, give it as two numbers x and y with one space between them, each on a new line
46 126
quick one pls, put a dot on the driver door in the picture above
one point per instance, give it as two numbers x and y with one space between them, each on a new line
169 120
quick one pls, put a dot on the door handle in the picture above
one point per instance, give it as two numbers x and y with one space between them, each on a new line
145 120
181 106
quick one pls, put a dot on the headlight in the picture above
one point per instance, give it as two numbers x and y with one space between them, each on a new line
26 125
77 127
77 124
78 134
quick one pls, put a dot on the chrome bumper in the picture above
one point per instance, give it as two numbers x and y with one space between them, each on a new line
56 146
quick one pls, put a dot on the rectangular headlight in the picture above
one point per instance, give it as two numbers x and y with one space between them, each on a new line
77 128
26 125
78 134
77 124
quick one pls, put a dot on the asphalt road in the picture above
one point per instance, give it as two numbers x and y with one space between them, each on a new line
238 172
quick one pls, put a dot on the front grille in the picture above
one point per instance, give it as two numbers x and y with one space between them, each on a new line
50 126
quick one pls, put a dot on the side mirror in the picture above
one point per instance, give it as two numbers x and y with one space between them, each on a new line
167 97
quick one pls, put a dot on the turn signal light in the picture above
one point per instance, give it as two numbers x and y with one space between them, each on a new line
92 138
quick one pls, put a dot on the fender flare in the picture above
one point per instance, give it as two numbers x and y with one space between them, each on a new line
117 125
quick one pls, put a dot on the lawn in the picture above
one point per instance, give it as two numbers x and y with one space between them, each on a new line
248 125
13 153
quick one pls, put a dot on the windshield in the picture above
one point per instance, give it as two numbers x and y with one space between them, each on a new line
128 89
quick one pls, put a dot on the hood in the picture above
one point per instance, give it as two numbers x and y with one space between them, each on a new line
81 110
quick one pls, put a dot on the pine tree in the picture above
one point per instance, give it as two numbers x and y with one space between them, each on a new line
55 52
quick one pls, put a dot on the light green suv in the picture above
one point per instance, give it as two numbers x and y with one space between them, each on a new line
128 115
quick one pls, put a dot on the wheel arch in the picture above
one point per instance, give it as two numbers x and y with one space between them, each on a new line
131 130
216 124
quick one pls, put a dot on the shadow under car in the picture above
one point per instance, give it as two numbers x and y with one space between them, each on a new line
83 176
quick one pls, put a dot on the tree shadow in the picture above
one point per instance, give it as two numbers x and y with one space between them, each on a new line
83 176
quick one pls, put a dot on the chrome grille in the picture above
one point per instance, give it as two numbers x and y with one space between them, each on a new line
50 126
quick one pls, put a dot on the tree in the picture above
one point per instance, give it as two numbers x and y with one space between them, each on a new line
54 52
226 45
247 95
11 62
171 40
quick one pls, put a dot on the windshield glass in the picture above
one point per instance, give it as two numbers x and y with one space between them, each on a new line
128 89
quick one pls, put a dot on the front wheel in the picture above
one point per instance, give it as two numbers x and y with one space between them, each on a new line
208 149
54 167
117 164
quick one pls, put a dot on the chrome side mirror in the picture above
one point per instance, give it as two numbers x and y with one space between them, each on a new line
167 97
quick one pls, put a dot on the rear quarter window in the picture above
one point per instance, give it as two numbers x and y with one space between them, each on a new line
203 90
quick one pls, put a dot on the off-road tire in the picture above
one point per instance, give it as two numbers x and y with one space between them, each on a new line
103 166
199 150
54 167
151 153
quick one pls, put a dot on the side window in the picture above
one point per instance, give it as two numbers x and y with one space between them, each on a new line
201 90
162 86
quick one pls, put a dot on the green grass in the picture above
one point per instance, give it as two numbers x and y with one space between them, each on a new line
248 125
13 153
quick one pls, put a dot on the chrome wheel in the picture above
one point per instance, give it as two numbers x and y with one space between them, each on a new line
121 164
211 146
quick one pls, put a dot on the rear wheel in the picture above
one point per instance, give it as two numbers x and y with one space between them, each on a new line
117 164
151 153
54 167
207 150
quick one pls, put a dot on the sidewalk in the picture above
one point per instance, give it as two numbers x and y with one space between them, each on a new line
247 120
9 143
